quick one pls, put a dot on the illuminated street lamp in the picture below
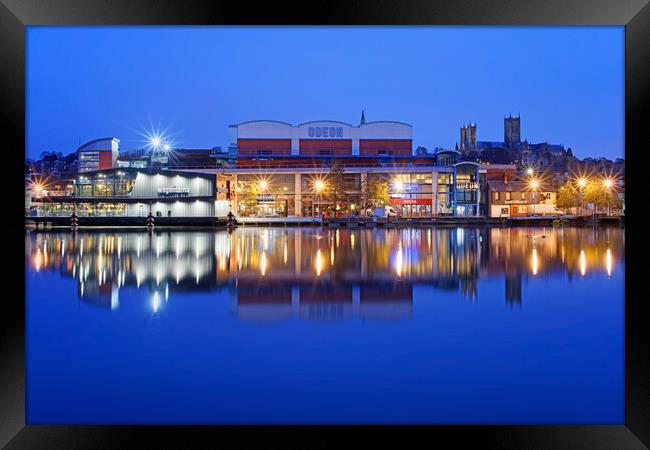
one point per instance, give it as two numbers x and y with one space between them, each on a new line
160 147
319 186
38 189
155 142
530 171
263 185
534 185
608 183
582 183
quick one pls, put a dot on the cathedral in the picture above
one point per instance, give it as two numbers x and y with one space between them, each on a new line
512 149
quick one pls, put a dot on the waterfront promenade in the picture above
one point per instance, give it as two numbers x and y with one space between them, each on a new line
363 222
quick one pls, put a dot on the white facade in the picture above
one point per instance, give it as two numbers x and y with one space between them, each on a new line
321 129
195 208
150 186
154 185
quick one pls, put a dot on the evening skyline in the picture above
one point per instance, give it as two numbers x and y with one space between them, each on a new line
567 83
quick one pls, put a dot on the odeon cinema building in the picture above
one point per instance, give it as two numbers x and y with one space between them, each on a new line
286 170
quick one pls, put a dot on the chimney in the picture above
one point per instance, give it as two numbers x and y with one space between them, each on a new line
505 177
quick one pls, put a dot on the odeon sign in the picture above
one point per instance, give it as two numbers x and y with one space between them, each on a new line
325 132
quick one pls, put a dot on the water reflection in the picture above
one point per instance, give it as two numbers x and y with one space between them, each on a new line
311 273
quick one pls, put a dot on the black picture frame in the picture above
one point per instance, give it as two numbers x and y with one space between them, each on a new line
633 14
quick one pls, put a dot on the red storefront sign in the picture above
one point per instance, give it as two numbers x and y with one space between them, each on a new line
411 201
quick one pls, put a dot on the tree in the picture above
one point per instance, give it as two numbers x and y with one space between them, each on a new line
51 156
375 193
568 196
600 196
335 184
247 196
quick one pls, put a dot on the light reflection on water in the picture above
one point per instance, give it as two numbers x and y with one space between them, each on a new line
266 264
310 325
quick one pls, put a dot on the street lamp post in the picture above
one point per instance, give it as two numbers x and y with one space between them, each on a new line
534 185
609 183
318 186
582 183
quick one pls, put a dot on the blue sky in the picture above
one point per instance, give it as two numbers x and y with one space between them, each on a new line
87 82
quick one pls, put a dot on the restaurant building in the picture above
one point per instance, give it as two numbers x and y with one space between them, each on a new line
519 198
129 192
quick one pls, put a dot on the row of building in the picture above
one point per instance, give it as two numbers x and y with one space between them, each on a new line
276 169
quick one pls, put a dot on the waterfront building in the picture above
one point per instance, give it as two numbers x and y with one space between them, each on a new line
128 192
520 198
275 169
98 154
321 138
198 158
136 160
326 167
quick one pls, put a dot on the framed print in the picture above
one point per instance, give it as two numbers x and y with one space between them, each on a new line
379 223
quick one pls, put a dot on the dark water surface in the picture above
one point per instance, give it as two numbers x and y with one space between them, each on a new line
309 325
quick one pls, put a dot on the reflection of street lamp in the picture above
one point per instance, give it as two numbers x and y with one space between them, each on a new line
534 185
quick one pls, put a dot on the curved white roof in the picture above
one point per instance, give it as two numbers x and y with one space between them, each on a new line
262 121
105 143
325 121
387 121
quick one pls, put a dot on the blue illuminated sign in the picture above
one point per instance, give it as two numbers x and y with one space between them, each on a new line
325 132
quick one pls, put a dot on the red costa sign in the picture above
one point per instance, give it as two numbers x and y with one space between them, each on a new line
411 201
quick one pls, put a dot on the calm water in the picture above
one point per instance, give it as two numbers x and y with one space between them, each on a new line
290 325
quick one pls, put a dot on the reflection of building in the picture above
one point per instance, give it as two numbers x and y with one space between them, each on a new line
281 273
513 287
322 301
129 192
98 154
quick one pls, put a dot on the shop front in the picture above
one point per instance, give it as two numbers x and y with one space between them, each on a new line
266 195
413 207
466 189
